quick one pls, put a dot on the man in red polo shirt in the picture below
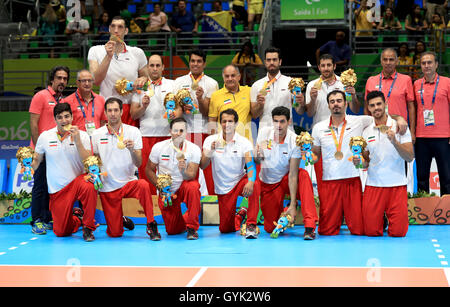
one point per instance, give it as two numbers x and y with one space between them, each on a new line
41 119
396 87
433 124
87 107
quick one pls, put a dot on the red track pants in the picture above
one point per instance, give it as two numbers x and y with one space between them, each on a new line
393 201
61 206
175 222
272 196
227 206
112 204
340 198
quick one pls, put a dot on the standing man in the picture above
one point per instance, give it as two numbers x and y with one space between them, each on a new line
180 159
386 150
433 124
114 61
232 96
42 119
396 87
149 111
280 174
229 153
119 146
272 90
201 88
88 108
64 148
317 106
341 192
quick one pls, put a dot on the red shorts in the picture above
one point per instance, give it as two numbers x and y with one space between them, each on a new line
61 207
272 196
175 222
394 202
112 204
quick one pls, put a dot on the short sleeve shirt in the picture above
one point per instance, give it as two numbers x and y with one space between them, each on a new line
228 161
153 123
125 65
116 162
276 159
63 161
165 156
79 106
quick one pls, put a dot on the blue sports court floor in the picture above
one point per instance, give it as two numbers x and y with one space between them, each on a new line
419 259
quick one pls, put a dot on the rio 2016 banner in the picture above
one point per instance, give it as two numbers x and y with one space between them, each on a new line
312 9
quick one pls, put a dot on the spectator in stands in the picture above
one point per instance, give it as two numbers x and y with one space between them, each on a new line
389 24
341 51
255 10
438 33
157 20
404 59
183 20
103 29
415 24
78 30
419 48
60 11
364 23
247 61
240 13
432 6
48 27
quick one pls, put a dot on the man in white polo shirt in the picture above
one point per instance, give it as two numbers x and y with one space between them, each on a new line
272 90
280 174
229 154
64 148
119 146
385 190
201 88
180 159
114 61
316 105
149 111
341 192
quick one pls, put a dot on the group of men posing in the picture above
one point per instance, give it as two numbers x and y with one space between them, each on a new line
215 148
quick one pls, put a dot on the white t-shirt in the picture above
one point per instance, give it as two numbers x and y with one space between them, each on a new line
153 123
277 95
63 161
196 123
126 65
276 160
116 162
339 169
165 156
386 167
228 161
322 110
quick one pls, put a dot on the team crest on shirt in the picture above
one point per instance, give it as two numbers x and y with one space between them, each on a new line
227 101
371 139
52 143
104 141
165 157
51 103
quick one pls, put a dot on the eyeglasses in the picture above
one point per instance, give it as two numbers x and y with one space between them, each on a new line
86 80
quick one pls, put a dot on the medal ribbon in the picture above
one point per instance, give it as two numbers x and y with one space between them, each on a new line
196 80
120 135
434 94
341 136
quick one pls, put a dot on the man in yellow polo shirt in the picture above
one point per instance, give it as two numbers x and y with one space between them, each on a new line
232 96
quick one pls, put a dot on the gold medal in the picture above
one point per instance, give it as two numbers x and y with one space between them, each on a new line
263 91
150 92
383 128
67 127
194 85
120 145
338 155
